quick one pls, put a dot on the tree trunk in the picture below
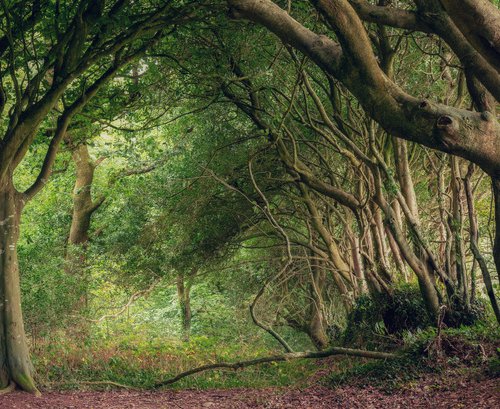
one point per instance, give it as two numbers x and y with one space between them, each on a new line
496 246
183 294
474 245
343 273
358 265
403 173
83 209
15 362
316 330
425 279
456 227
83 205
378 234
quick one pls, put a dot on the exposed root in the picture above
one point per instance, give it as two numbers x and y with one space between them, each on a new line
8 389
26 383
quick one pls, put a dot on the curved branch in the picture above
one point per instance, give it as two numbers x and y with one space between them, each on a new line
8 389
266 328
471 135
130 301
479 22
62 126
390 16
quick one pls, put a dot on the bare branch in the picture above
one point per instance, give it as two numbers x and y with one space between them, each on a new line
279 358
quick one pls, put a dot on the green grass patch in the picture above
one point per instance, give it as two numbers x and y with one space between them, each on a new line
68 363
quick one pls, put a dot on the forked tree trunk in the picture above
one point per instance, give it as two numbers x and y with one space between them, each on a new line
426 277
426 283
83 210
15 362
83 205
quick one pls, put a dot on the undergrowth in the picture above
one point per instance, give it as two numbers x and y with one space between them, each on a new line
468 348
382 321
72 363
72 360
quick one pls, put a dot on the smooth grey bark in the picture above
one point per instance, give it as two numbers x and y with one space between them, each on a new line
15 363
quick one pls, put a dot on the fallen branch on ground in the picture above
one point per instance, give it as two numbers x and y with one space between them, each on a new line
110 383
279 358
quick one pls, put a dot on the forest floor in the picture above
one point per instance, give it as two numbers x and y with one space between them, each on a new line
447 389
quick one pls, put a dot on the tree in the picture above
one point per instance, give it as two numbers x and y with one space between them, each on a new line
472 135
57 57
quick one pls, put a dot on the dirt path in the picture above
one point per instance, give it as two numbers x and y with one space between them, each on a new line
429 393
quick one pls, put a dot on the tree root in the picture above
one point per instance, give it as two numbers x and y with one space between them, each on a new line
279 358
8 389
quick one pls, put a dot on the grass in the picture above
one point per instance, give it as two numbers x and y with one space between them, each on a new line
64 363
67 361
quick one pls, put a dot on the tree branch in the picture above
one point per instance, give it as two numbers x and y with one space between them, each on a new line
279 358
62 126
468 134
390 16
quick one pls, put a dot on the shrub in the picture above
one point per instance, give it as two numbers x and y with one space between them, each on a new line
459 313
386 315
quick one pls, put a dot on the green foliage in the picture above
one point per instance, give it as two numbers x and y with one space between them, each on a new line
471 348
373 317
387 375
460 313
183 113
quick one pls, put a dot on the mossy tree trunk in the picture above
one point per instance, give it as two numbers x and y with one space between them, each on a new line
183 293
83 205
83 210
